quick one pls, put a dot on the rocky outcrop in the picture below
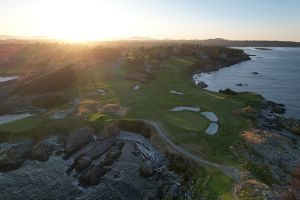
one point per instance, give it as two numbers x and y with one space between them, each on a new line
270 118
91 152
41 151
78 139
253 189
269 149
146 168
92 175
290 124
114 153
12 156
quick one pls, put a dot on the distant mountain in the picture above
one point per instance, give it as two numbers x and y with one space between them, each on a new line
248 43
139 39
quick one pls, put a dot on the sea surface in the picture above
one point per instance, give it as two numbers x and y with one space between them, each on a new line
275 74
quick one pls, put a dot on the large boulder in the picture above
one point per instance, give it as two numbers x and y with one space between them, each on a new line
78 139
82 162
147 168
114 153
90 153
12 156
41 151
92 175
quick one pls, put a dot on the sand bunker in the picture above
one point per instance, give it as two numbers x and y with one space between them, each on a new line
187 108
212 129
101 91
175 92
210 116
136 87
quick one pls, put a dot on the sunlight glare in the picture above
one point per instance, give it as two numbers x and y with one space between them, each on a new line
81 21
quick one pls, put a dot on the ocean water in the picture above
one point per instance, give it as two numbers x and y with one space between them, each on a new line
278 77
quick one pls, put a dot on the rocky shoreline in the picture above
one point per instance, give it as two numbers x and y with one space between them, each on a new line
99 160
271 153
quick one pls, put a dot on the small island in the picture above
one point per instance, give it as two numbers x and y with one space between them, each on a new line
263 49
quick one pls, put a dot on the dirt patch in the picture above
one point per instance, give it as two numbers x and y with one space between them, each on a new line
114 109
87 106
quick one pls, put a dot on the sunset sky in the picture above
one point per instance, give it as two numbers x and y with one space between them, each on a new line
161 19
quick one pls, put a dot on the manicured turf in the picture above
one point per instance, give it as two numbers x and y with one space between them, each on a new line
219 183
22 125
189 121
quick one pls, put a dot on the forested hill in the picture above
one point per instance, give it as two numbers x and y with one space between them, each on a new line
249 43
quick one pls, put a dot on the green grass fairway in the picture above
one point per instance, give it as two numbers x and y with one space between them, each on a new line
153 101
219 183
22 125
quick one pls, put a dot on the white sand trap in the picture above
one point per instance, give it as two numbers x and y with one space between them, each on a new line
4 119
175 92
187 108
210 116
212 129
101 91
136 87
7 78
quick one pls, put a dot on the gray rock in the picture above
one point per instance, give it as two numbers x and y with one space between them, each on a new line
41 151
78 139
146 168
114 153
14 155
92 175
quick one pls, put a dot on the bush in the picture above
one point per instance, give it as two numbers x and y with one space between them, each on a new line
228 91
260 171
49 101
135 126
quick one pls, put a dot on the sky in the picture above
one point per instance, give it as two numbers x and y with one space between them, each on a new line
159 19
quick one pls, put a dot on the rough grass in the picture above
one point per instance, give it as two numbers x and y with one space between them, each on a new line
219 183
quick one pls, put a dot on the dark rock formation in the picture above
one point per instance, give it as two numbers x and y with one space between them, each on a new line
274 158
228 91
91 152
78 139
290 124
114 153
41 151
92 175
146 168
13 155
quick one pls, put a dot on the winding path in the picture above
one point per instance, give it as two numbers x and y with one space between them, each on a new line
233 172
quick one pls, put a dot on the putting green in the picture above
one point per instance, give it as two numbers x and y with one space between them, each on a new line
190 121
